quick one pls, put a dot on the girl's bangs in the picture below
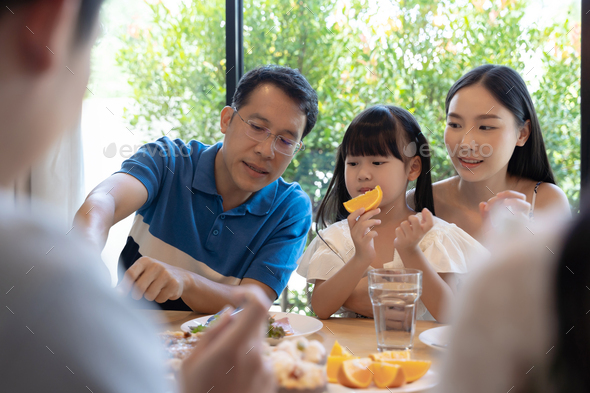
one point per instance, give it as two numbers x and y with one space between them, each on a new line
372 134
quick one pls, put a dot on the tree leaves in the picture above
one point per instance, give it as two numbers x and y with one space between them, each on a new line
355 54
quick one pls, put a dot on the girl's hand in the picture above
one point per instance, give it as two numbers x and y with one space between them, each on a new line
411 231
513 201
360 224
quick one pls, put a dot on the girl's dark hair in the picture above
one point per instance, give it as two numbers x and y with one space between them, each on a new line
572 350
378 131
529 161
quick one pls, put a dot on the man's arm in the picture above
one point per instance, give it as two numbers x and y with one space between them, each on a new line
111 201
204 295
273 264
159 281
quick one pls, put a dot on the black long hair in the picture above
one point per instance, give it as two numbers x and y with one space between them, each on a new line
378 131
529 161
572 350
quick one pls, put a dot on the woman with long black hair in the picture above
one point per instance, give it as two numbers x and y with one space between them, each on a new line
495 143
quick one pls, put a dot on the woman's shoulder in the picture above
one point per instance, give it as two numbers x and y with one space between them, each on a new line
441 190
445 185
443 193
548 195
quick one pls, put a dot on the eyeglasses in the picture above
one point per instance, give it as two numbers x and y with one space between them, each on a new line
280 144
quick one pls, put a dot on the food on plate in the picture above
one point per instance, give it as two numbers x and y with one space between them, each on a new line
413 369
333 366
178 345
279 328
390 355
276 328
355 373
369 200
387 375
337 350
298 364
389 369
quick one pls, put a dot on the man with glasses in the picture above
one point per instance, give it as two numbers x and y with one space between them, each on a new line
209 218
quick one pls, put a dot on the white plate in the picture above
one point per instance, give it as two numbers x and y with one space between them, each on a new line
429 380
302 324
436 338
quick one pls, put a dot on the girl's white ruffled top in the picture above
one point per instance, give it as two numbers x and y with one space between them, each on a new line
448 248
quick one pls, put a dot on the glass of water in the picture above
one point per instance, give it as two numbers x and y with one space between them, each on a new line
394 294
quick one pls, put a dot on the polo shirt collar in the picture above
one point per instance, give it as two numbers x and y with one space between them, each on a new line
260 203
204 178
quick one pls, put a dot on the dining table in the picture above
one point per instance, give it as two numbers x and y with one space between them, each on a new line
356 334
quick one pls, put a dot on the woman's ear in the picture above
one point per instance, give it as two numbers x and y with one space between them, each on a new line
414 168
524 133
226 116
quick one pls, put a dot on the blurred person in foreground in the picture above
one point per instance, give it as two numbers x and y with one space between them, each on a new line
62 328
522 324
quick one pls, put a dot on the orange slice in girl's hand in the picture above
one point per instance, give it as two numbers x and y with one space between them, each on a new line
387 375
355 373
369 200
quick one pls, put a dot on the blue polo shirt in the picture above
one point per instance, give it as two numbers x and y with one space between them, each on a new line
183 223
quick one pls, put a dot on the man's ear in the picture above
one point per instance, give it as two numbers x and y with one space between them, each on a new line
524 133
45 36
226 117
415 168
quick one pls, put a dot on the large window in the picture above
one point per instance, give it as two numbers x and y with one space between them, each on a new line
160 69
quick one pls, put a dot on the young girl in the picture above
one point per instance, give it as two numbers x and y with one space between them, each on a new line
495 142
382 146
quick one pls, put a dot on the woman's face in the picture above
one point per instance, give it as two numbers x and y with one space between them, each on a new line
481 134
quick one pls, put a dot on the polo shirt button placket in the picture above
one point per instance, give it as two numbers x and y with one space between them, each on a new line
215 232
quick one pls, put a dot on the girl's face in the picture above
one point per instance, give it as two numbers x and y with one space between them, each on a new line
364 173
481 134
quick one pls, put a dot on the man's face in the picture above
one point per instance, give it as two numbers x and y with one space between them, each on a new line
44 78
253 165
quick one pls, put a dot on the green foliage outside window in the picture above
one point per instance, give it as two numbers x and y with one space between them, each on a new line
355 54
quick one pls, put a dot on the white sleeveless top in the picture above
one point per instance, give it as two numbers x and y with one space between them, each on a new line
445 246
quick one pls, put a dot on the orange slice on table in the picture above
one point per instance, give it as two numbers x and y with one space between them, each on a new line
413 369
333 366
390 355
369 200
337 350
355 373
387 375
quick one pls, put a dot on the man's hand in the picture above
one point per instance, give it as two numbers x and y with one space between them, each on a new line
229 355
411 231
154 280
